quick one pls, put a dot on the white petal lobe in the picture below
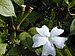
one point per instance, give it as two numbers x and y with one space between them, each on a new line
59 41
39 40
55 31
44 31
48 49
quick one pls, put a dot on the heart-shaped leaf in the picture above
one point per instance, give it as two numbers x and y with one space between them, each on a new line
6 8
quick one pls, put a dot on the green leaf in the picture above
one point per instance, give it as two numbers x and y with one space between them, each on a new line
67 2
57 1
6 8
15 51
72 27
12 52
63 52
23 36
38 51
26 40
0 40
33 16
3 48
72 3
32 31
58 52
1 55
52 14
19 2
67 52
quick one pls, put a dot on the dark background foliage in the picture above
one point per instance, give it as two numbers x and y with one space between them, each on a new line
60 13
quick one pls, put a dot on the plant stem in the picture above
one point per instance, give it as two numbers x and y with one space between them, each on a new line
23 10
12 23
14 38
70 12
30 10
14 33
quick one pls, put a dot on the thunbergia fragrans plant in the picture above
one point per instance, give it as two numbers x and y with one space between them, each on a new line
48 40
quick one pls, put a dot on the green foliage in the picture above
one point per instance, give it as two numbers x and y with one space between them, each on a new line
63 52
3 48
38 51
52 14
18 25
32 31
33 16
26 39
6 8
72 3
72 27
15 51
57 1
23 36
67 2
2 23
0 40
19 2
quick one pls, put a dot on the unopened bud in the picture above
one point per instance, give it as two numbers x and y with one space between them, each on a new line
30 10
23 7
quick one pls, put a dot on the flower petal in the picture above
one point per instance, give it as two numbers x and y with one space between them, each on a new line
39 40
48 49
55 32
59 41
44 31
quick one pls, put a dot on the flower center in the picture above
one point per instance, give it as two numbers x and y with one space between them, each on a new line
49 38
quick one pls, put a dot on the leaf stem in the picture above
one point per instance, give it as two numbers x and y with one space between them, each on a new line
14 39
70 12
14 33
12 23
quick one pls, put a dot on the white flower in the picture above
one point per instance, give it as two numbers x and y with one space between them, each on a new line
48 40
